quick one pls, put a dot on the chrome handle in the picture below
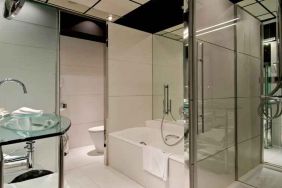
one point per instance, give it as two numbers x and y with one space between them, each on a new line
202 92
200 58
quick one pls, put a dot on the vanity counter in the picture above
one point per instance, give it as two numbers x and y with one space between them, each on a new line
12 136
16 129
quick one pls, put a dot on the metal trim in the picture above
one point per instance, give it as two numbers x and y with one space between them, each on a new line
106 98
1 168
92 6
261 92
61 162
265 8
136 2
58 66
193 96
236 97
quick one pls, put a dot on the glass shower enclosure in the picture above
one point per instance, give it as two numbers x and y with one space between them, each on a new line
224 70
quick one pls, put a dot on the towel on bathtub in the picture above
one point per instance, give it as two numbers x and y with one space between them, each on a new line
155 161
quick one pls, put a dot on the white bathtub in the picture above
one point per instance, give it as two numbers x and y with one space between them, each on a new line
125 154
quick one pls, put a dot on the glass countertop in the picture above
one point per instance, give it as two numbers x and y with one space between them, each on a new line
15 129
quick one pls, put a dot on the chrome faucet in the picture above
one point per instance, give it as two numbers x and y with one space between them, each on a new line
16 81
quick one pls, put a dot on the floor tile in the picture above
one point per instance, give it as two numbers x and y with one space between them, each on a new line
263 176
84 168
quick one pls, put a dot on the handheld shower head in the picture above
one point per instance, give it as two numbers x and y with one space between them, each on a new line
12 8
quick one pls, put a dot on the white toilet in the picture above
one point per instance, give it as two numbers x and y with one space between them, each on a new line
97 136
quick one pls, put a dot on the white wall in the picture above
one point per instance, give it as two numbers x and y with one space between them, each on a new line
129 74
28 51
82 86
28 48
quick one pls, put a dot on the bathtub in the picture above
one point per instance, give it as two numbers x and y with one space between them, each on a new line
126 148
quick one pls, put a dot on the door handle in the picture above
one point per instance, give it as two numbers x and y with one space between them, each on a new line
201 60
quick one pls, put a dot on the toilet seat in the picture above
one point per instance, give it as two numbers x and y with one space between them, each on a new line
96 129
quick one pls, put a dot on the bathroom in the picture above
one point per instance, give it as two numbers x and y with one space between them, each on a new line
129 97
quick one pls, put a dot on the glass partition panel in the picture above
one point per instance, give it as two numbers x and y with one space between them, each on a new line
248 90
225 77
28 51
212 32
169 105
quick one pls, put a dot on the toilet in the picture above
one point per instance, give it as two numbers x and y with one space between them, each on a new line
97 136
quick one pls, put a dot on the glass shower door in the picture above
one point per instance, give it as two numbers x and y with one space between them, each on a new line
212 93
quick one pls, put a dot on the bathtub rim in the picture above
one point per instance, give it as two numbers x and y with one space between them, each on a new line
175 157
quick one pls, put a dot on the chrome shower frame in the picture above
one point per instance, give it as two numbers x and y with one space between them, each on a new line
192 91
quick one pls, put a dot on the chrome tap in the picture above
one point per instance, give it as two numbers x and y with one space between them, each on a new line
16 81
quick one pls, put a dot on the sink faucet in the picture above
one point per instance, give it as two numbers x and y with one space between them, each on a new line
16 81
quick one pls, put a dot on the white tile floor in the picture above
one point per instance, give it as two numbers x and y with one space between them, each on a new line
273 156
239 185
263 176
85 169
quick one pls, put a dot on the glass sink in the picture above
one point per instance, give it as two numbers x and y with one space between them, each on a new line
30 122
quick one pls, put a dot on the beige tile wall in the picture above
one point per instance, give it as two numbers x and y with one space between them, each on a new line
167 69
82 86
129 77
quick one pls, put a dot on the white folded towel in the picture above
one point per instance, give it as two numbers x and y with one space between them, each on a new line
3 112
27 111
155 161
14 164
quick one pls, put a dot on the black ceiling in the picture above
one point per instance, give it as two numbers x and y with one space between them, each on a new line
235 1
81 27
154 16
269 30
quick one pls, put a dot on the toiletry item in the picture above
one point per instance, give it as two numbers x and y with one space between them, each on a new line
27 111
3 113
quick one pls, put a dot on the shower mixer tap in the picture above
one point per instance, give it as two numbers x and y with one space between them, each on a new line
166 101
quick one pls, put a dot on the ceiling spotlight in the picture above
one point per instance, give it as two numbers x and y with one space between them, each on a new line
110 17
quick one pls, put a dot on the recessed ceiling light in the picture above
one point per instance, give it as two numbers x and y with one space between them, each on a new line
110 17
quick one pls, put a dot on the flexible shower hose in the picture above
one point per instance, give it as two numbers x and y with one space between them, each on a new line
162 132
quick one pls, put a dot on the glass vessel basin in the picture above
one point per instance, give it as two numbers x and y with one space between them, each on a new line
29 122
